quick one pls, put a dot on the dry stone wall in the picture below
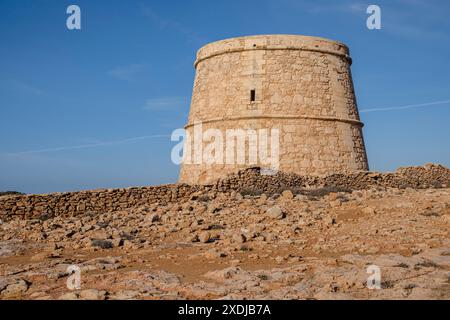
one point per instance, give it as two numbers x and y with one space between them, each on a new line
302 86
251 181
103 200
247 181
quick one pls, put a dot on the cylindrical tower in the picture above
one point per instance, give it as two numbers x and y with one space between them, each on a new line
299 85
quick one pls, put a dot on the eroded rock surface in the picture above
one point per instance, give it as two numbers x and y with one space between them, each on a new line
303 242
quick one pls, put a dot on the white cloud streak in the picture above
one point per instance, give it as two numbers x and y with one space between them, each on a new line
90 145
128 72
165 103
165 23
343 6
26 88
410 106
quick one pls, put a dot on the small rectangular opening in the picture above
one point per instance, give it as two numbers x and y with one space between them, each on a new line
252 95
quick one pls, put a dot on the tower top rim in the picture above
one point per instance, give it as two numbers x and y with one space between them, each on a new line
272 42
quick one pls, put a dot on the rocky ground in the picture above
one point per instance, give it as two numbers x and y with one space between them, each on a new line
301 243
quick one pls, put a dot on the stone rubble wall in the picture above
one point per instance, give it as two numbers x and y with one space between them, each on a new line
251 180
102 200
109 200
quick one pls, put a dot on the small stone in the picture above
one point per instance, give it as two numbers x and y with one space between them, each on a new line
213 254
69 233
99 234
69 296
126 295
294 259
332 196
52 247
118 242
104 244
329 221
93 294
275 213
368 210
213 208
39 295
301 197
194 238
204 237
15 289
235 262
336 203
430 213
239 238
263 198
41 256
127 244
287 194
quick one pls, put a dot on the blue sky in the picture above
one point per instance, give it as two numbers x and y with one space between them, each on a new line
95 107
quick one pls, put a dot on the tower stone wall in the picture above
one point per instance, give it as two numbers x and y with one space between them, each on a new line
300 85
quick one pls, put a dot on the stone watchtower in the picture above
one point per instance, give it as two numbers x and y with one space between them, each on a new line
301 85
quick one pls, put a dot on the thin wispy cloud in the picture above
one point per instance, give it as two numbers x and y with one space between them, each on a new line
26 88
410 106
127 72
399 17
166 23
405 25
414 19
336 7
90 145
166 103
329 7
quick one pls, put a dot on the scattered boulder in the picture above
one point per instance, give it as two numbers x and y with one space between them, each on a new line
287 195
275 212
204 237
103 244
15 289
368 210
69 296
93 294
239 238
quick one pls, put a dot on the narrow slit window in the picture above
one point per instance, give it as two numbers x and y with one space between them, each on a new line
252 95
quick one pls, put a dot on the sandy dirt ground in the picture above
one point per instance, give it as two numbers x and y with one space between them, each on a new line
324 245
